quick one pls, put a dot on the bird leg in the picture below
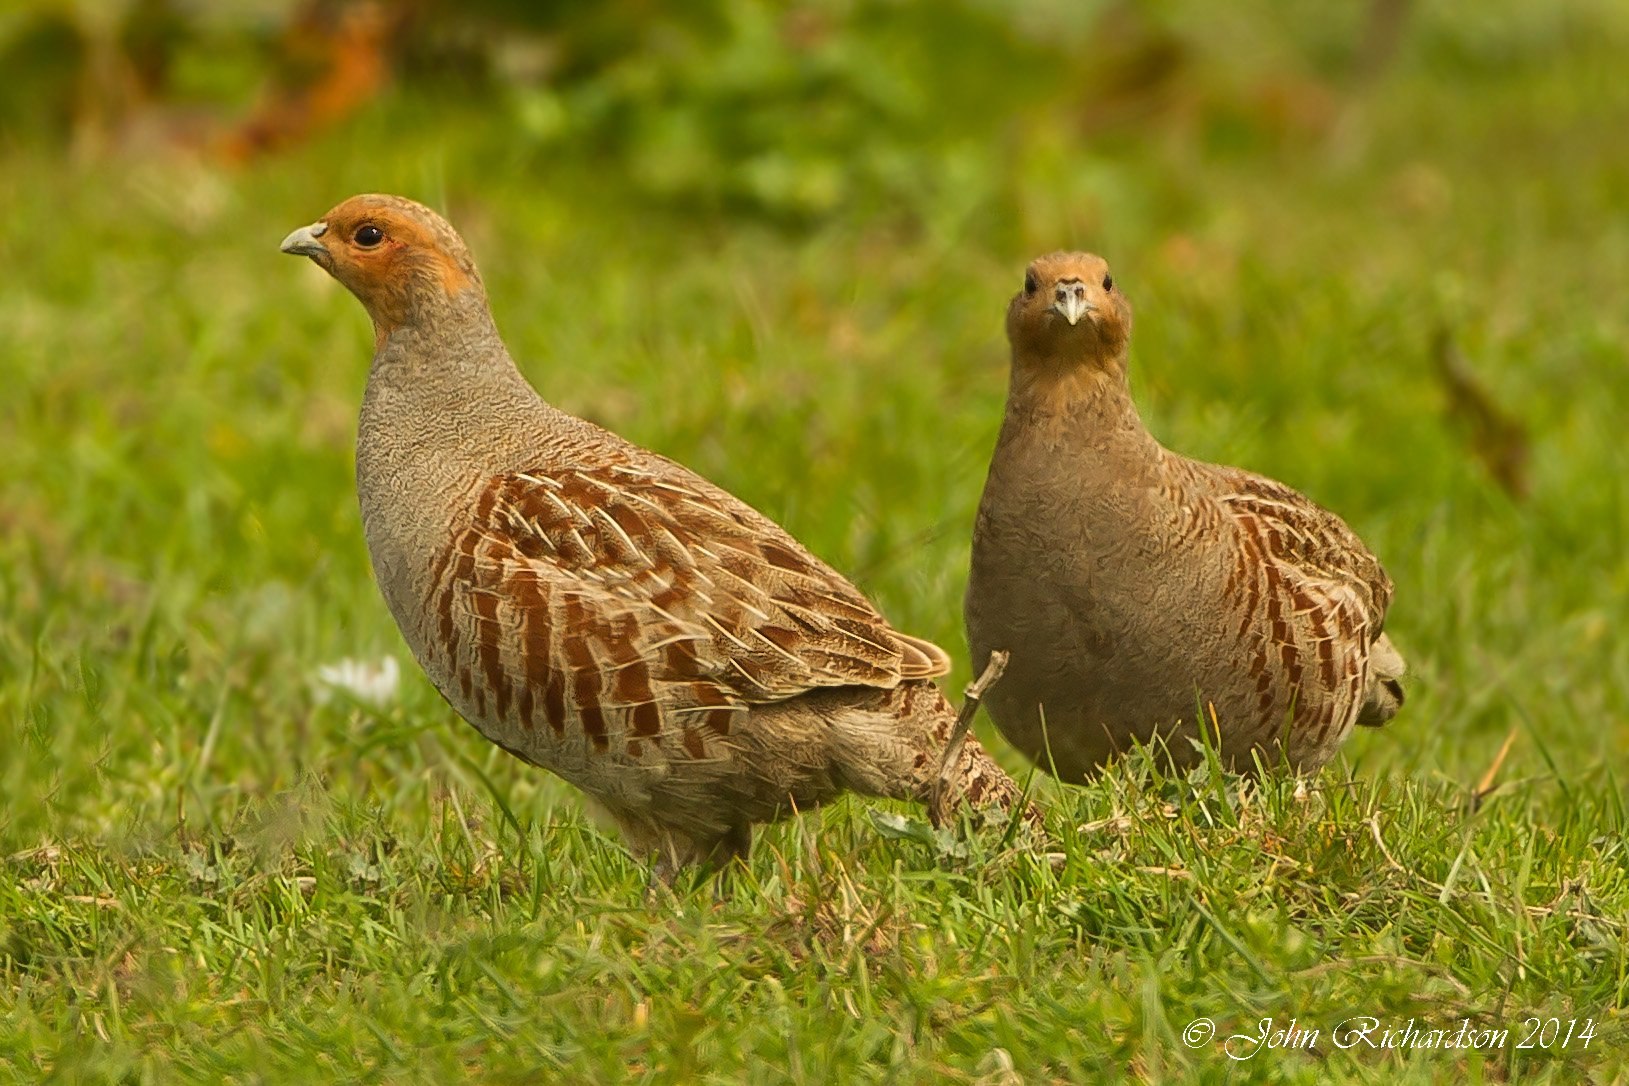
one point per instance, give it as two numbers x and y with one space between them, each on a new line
674 854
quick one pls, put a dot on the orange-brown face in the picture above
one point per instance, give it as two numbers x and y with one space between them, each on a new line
1069 311
400 259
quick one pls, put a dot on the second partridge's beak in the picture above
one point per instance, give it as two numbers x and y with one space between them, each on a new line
1070 301
303 242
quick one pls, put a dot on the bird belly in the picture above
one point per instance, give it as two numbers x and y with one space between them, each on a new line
1131 644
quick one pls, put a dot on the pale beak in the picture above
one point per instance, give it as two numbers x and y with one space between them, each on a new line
1071 303
303 242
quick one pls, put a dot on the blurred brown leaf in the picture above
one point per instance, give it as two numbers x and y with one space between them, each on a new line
1496 437
338 56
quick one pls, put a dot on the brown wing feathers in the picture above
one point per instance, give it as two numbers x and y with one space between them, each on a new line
1296 530
631 603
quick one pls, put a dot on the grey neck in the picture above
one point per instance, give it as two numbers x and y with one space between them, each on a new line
459 350
446 393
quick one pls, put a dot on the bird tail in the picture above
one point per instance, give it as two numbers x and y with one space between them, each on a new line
1385 693
893 747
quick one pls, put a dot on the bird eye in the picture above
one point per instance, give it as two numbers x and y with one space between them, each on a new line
1030 284
368 236
1108 282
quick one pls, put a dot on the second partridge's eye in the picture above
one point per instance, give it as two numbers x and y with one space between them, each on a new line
1108 282
368 236
1029 283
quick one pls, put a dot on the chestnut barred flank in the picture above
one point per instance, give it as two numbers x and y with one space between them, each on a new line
626 607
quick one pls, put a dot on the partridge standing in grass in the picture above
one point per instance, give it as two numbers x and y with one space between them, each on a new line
1136 589
598 610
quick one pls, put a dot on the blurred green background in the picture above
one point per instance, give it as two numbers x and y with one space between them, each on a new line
1379 250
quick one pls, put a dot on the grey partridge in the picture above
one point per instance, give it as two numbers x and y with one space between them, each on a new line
1138 591
598 610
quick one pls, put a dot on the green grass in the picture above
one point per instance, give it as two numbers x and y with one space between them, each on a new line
210 873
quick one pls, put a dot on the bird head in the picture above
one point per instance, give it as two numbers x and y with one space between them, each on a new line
404 263
1069 313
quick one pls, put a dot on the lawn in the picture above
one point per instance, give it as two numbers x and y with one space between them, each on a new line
218 868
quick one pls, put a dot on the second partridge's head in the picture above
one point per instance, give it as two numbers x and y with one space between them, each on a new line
404 263
1069 313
